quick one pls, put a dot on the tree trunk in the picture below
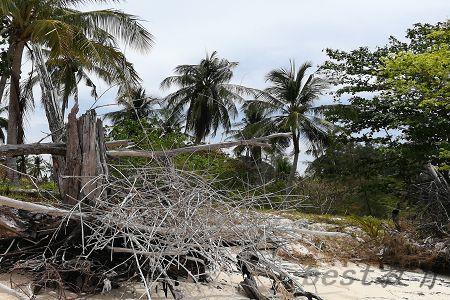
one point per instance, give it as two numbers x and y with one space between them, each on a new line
295 163
85 163
52 111
14 108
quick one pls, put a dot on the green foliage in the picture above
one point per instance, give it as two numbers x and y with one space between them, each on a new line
373 227
74 42
257 123
292 95
396 95
366 180
206 91
146 135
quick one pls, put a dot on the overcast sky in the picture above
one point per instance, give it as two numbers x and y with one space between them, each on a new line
259 34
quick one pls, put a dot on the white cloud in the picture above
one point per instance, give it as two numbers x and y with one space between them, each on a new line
260 34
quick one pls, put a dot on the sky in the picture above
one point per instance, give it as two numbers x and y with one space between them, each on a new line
259 34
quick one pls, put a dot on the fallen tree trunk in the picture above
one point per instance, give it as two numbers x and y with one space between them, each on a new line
27 149
208 147
49 148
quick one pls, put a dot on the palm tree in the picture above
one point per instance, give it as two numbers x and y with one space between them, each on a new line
36 167
206 91
256 123
137 105
92 37
167 121
291 97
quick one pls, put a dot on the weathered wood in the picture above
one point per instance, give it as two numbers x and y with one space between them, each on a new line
252 264
32 207
27 149
251 289
85 159
70 188
208 147
49 148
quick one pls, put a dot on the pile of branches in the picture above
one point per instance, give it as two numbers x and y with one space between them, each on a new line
432 194
156 224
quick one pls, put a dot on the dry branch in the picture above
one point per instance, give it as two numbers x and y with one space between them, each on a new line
208 147
162 223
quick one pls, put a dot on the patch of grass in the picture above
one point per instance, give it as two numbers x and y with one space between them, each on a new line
373 227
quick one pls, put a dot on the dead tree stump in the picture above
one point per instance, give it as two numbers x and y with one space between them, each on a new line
85 163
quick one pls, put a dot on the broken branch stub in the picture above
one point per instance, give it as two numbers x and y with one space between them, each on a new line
85 164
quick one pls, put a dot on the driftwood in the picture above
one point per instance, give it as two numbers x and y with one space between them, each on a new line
251 265
163 224
61 148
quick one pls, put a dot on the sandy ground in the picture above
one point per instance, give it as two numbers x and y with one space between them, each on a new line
336 282
331 279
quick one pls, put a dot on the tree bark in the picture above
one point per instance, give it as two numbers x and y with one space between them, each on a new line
14 108
52 111
85 162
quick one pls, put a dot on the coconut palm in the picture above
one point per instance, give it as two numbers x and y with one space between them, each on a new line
256 123
291 97
36 167
136 105
206 92
92 37
165 119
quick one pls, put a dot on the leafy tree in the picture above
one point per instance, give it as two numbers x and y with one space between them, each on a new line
54 24
367 176
206 91
395 95
425 77
291 97
167 120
